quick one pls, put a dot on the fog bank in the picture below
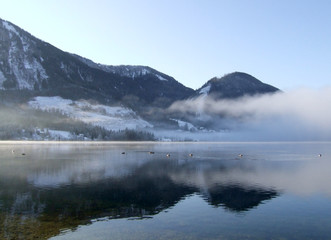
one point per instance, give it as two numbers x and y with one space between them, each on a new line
302 114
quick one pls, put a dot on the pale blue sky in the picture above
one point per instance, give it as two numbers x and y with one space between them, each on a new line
286 43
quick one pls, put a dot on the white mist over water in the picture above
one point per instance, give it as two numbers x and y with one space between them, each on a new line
302 114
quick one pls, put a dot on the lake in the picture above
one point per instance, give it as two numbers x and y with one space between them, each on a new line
124 190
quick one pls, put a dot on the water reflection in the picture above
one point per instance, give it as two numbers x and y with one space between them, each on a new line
60 186
237 198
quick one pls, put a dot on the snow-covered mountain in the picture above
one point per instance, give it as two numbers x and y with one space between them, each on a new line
38 68
27 63
36 74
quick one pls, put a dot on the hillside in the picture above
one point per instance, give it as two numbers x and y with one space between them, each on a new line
33 67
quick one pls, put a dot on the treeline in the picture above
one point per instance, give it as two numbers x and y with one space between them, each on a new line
91 133
99 133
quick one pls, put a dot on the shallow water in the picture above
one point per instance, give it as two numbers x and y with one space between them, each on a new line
123 191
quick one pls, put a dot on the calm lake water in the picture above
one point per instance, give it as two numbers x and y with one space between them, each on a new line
124 191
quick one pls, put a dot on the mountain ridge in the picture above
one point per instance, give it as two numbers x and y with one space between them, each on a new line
27 63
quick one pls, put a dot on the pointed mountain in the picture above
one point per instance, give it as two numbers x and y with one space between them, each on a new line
234 85
33 67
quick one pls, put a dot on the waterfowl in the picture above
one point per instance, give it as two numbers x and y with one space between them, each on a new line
168 155
240 155
151 152
191 154
320 155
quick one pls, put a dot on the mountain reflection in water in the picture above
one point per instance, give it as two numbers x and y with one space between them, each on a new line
60 186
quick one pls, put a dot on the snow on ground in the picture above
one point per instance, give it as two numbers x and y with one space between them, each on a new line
160 77
49 134
135 71
27 71
127 71
185 125
60 134
9 27
110 118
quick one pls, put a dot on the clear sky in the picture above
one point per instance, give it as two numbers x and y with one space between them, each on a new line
286 43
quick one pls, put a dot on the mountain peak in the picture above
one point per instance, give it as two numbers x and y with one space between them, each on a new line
233 85
236 77
130 71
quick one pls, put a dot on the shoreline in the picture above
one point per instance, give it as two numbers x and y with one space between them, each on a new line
27 142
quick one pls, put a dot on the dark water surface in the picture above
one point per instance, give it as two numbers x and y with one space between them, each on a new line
124 191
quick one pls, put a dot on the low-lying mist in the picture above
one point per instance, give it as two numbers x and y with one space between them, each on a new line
298 115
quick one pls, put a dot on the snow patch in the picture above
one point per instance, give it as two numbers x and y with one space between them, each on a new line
57 134
144 71
205 90
80 74
50 103
49 134
28 71
160 77
10 27
185 125
110 118
130 72
122 70
25 44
